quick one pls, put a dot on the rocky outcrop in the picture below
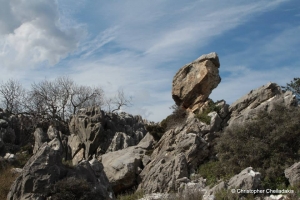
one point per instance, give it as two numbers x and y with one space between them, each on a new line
293 174
194 82
45 168
95 132
247 179
124 166
264 98
175 157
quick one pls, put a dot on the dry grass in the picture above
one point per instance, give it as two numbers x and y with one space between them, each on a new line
6 180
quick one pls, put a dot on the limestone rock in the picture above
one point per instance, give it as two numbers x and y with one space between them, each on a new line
45 168
123 167
177 154
194 82
261 99
247 179
40 137
293 174
98 132
41 170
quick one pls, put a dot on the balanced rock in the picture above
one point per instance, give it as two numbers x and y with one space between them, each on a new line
194 82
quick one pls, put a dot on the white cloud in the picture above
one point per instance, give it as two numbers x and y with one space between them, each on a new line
36 36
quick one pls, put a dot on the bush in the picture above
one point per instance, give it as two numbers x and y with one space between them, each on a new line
74 189
177 118
203 116
269 144
131 196
156 131
6 180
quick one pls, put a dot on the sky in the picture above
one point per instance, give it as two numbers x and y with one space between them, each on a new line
139 45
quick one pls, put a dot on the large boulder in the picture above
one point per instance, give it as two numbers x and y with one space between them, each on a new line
123 167
264 98
247 179
293 174
41 170
40 137
96 132
194 82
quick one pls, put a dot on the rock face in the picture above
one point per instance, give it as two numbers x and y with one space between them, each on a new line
293 174
176 156
194 82
124 166
247 179
95 132
261 99
45 168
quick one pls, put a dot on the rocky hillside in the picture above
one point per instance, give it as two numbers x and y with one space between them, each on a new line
204 150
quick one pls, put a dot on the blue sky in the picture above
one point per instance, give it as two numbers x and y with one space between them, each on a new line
139 45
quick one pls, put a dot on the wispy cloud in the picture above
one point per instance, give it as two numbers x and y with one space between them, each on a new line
134 45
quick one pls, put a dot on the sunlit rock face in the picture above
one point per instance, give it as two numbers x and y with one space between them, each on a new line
194 82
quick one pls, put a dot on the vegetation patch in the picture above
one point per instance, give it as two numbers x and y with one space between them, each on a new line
203 116
74 189
6 179
178 117
269 144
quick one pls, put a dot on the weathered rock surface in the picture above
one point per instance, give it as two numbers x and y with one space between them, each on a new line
45 168
96 132
123 167
261 99
194 82
176 156
40 137
247 179
293 174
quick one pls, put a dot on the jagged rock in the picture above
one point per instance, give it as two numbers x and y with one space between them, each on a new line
98 132
42 169
123 167
293 174
40 137
177 154
215 121
52 132
263 98
45 168
120 141
194 82
247 179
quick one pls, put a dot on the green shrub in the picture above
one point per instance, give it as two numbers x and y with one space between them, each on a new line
269 144
156 131
131 196
74 189
203 116
177 118
213 172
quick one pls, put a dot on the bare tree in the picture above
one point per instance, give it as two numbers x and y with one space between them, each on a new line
120 100
83 96
13 95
